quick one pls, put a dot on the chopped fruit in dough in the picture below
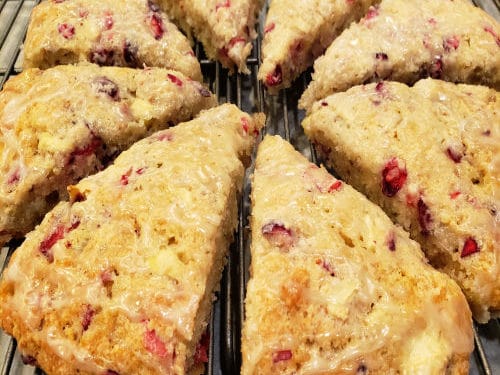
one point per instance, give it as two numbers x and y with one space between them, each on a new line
345 292
64 123
226 28
121 278
129 33
297 32
429 155
408 40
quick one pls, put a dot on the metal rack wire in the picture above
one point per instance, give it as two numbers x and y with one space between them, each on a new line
283 118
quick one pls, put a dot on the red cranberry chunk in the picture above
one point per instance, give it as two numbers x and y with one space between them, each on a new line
436 68
372 12
236 40
87 150
336 186
66 30
492 32
393 177
381 56
108 21
470 247
175 79
124 179
106 86
275 78
454 154
47 244
156 26
278 235
391 241
154 344
282 355
130 54
455 194
424 217
225 4
88 316
29 360
201 354
102 56
325 264
451 43
14 176
269 28
165 136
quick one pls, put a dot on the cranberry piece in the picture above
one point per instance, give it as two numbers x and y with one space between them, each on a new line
236 40
124 178
391 241
47 244
106 86
278 235
282 355
424 217
108 22
102 56
372 13
88 316
326 266
275 78
107 277
130 54
336 186
454 155
156 26
29 360
140 170
66 30
493 33
455 194
201 354
14 176
381 56
436 68
225 4
470 247
204 92
451 43
154 344
244 125
393 177
165 136
87 150
269 28
362 370
324 104
174 79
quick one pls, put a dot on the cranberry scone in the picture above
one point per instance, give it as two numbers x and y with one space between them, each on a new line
225 27
297 32
130 33
430 156
336 287
120 279
61 124
408 40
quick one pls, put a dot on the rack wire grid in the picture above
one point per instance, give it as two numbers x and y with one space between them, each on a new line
283 118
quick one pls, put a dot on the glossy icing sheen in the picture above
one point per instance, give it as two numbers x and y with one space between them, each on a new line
126 283
339 298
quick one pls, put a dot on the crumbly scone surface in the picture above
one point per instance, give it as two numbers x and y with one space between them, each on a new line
429 155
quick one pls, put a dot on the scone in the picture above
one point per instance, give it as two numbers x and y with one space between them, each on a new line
408 40
225 27
336 287
130 33
61 124
120 279
430 156
297 32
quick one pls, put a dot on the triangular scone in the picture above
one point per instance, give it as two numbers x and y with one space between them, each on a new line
430 156
336 287
61 124
129 33
408 40
120 279
225 27
297 32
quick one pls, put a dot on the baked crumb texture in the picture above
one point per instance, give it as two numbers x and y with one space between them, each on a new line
430 156
225 27
336 287
61 124
409 40
120 279
130 33
297 32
